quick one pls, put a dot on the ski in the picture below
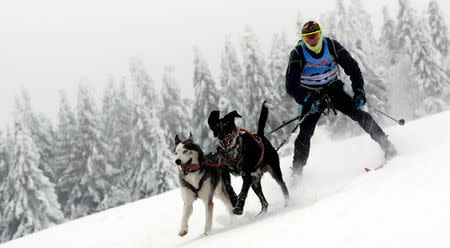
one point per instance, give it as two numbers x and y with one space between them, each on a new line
377 168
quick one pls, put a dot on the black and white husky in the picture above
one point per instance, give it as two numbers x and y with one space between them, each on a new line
200 177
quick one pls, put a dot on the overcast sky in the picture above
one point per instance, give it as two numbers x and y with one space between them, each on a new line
47 45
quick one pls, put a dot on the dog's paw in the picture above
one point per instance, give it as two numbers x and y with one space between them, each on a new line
237 211
183 232
207 230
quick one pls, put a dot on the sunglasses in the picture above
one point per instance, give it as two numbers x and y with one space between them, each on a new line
312 35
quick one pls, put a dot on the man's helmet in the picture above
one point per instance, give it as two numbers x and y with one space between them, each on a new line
310 30
310 27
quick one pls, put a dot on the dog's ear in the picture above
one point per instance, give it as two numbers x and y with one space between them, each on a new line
232 115
213 118
177 140
191 138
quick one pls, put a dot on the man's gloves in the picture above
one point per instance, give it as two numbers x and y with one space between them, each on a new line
310 103
359 98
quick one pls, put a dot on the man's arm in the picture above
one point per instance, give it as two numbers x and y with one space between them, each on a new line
350 66
293 73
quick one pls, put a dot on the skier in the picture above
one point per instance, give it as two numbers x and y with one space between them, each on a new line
312 80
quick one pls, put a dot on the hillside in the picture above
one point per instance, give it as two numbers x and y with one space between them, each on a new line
337 204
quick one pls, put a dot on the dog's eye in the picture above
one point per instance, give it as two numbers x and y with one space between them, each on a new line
184 152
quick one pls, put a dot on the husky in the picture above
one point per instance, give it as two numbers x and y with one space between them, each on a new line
200 177
247 155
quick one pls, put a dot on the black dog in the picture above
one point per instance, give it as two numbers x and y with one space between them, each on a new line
247 155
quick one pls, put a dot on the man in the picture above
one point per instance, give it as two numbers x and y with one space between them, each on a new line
312 80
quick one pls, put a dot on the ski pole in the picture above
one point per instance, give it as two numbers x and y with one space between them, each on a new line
285 123
298 125
401 122
287 138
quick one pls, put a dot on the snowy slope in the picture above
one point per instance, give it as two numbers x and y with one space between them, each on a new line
406 204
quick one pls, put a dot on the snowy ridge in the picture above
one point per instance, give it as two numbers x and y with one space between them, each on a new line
336 205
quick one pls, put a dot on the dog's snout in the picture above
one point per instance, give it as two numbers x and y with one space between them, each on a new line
178 161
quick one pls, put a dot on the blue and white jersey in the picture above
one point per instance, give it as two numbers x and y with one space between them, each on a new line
318 72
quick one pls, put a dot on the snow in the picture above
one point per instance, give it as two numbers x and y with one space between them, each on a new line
336 204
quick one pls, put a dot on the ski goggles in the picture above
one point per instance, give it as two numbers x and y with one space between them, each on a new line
312 36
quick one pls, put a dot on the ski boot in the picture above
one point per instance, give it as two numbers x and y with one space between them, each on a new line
388 148
297 172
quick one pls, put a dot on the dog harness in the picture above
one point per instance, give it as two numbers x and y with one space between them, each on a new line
225 143
188 185
230 160
186 168
196 167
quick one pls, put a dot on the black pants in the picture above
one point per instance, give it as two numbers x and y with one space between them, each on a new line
343 103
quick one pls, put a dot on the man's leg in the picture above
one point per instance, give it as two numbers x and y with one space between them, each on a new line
344 103
303 142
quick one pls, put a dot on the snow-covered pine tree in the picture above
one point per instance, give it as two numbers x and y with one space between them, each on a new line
174 114
388 37
117 130
439 31
137 170
164 170
4 157
406 25
284 107
4 166
404 95
122 110
42 134
30 200
428 85
66 152
148 157
439 34
232 87
7 158
430 77
116 125
92 177
206 100
107 117
256 78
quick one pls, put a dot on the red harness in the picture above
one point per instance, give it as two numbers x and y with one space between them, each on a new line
196 167
231 160
226 142
190 167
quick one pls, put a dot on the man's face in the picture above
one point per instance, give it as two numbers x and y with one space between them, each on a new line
312 38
